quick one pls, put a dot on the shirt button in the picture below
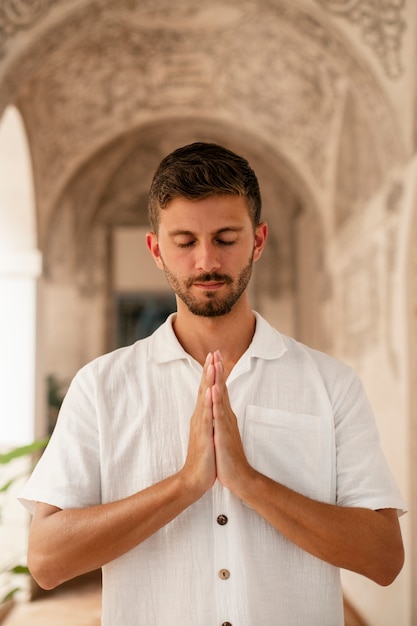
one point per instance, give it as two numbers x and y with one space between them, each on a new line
224 574
222 520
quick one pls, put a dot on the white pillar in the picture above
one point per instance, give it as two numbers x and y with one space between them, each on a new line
20 265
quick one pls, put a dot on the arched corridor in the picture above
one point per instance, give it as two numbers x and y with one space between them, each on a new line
320 96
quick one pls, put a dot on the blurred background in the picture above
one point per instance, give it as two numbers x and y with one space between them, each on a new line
319 95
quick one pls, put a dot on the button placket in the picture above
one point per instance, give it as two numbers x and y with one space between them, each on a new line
222 519
222 563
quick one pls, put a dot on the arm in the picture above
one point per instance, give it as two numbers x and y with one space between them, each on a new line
70 542
66 543
365 541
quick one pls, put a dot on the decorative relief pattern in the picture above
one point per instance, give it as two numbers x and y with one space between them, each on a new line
394 197
358 167
19 14
268 67
393 205
289 87
113 72
381 24
361 304
181 77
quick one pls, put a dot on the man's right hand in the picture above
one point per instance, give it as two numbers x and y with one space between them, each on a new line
199 471
98 534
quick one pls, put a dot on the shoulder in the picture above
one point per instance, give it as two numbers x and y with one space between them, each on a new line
311 367
323 361
114 361
296 352
135 355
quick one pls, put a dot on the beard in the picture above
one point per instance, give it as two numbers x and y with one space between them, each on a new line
210 304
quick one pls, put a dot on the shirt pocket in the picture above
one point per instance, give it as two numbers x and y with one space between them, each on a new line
294 449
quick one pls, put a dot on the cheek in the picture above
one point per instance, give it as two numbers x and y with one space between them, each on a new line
178 261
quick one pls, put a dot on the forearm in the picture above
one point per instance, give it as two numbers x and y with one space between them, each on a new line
367 542
66 543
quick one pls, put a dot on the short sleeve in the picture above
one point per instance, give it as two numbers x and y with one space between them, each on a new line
68 473
364 478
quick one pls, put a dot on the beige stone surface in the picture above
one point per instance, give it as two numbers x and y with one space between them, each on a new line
75 604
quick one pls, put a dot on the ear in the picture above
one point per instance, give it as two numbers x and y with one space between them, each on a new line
153 247
261 233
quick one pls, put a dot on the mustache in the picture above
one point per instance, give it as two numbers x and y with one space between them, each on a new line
213 277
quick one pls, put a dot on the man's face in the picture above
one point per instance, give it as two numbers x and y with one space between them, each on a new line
206 249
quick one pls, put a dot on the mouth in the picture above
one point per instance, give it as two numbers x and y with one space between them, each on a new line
210 282
209 286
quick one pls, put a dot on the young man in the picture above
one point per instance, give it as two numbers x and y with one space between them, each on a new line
219 472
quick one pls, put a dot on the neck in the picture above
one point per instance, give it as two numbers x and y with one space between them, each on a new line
231 333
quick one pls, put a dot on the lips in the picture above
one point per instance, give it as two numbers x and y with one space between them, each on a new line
208 285
210 281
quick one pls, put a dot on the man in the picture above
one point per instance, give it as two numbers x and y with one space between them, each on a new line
219 472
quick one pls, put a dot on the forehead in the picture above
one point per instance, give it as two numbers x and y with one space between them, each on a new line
212 213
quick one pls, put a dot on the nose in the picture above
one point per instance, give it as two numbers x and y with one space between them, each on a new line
207 257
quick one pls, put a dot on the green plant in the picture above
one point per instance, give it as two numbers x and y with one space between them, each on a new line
6 484
55 391
17 453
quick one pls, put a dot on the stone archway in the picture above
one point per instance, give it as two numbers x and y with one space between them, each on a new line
111 190
20 265
91 73
303 89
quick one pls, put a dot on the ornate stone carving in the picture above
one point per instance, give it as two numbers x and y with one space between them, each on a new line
361 309
393 203
16 15
382 26
358 166
268 67
394 196
181 77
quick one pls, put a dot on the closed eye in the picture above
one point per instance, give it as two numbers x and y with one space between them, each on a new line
188 244
222 242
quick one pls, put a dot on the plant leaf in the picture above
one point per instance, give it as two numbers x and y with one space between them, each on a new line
16 453
19 569
7 485
10 595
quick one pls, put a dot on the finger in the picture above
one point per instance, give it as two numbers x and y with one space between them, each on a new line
207 378
207 398
220 381
219 368
217 396
209 371
217 357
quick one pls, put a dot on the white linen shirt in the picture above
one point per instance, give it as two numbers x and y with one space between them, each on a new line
304 421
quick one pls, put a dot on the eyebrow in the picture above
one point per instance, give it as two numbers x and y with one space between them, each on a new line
226 229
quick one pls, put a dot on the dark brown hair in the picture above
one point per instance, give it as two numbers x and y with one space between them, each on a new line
198 171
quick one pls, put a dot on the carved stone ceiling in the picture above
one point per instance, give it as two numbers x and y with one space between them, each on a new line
93 73
112 190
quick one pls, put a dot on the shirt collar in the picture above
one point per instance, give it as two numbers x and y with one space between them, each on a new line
164 345
267 343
